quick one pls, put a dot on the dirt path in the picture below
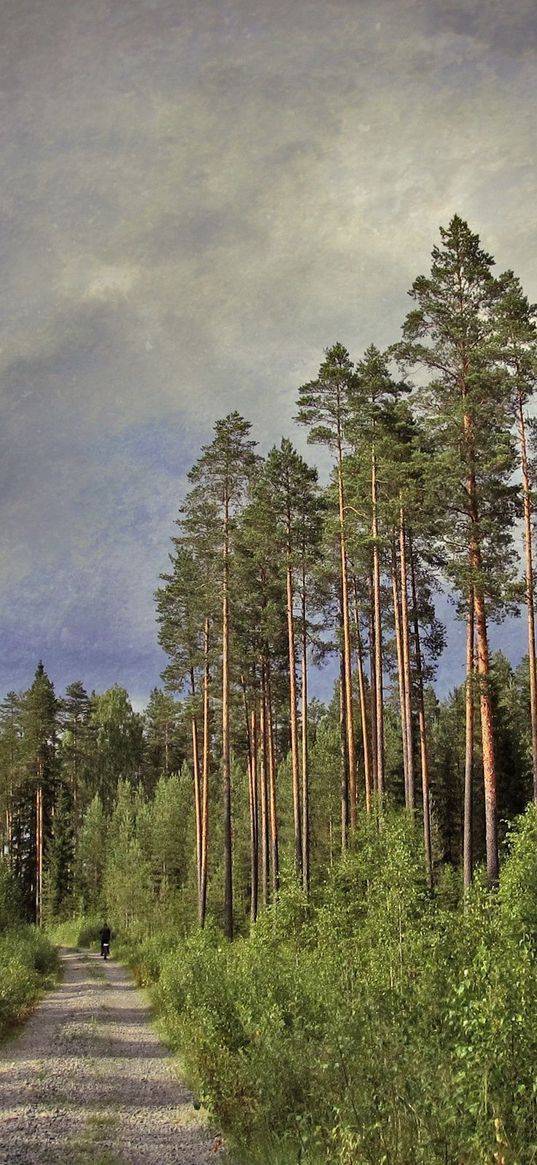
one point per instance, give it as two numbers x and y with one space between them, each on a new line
88 1080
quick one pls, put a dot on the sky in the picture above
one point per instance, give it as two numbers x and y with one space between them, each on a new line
198 196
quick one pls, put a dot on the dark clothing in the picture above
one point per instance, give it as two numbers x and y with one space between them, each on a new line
105 937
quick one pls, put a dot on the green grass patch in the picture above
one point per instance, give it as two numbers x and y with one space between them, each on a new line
89 1147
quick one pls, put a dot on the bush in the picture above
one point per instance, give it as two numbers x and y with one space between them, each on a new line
383 1025
28 963
81 931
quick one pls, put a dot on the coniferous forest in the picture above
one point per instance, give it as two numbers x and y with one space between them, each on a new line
374 858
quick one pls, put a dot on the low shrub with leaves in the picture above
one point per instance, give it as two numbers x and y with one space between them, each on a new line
28 960
379 1024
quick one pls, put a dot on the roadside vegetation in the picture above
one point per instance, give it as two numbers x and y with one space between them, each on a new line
28 959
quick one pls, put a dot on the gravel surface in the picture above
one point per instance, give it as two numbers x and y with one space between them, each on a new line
88 1080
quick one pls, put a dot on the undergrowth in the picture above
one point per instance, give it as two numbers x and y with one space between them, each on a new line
374 1024
28 960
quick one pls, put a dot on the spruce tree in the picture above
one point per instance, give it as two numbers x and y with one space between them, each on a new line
164 744
74 712
11 764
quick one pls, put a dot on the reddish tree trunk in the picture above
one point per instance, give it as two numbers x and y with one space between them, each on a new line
273 810
39 849
305 766
263 740
469 747
226 753
400 668
377 615
347 653
530 603
364 719
422 724
344 759
205 778
405 629
293 722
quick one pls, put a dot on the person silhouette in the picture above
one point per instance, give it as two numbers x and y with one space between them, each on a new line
105 936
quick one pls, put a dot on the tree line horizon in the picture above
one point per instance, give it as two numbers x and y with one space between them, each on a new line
432 475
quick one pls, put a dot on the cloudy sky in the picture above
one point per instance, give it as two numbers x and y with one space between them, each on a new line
197 197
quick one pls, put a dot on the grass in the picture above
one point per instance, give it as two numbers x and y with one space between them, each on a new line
97 972
89 1148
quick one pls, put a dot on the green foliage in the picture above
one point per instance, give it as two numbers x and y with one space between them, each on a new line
379 1024
28 962
10 897
518 888
59 864
79 931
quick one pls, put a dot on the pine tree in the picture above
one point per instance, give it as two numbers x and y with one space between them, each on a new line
290 486
164 744
515 322
11 763
59 868
324 406
221 475
187 611
373 390
449 333
74 711
40 727
262 645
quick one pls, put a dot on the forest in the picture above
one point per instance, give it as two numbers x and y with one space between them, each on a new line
334 904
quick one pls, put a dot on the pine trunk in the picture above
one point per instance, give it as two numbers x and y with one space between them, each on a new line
422 725
364 719
467 844
263 740
400 668
273 816
347 653
39 848
205 777
166 747
483 661
344 759
372 693
9 834
305 766
197 805
293 723
487 738
407 667
530 602
226 757
377 615
251 736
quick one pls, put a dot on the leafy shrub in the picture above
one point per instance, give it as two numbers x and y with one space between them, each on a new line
80 931
383 1025
28 962
10 903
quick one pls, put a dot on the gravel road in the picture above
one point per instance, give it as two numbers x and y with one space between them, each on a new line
88 1080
